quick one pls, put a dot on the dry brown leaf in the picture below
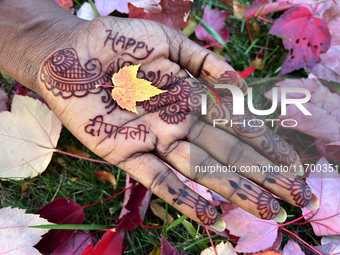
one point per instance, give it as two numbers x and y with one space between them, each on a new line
74 150
160 212
106 176
156 251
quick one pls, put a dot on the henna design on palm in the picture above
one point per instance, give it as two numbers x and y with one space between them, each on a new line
172 106
205 212
64 76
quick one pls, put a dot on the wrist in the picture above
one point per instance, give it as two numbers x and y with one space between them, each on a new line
26 41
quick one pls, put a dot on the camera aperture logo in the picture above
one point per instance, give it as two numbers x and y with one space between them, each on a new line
238 105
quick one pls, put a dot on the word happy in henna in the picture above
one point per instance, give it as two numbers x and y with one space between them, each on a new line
134 133
126 43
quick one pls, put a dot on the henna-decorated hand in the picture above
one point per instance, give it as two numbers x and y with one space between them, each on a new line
164 128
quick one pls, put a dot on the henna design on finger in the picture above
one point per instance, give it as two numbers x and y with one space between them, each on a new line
95 128
299 189
205 212
64 76
280 149
267 205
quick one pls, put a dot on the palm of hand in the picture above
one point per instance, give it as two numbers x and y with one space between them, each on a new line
67 80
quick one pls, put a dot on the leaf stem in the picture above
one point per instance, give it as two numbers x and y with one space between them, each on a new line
309 246
76 156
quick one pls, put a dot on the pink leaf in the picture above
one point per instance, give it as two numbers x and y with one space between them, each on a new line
135 205
320 124
216 20
255 234
326 186
272 7
105 7
292 248
167 249
110 244
3 100
59 211
328 68
309 36
76 245
331 151
15 236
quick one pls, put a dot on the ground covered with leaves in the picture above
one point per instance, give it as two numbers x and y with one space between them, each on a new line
281 43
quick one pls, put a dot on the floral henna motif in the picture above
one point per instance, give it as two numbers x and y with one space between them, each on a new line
64 76
173 106
299 189
282 151
205 212
267 206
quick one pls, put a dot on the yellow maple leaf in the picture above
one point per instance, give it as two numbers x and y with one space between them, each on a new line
128 89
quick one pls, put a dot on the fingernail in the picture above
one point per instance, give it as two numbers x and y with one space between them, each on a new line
300 171
281 217
219 225
313 203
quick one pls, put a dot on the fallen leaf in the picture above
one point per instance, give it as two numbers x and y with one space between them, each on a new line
128 89
111 243
267 253
76 244
221 249
246 72
105 7
25 185
21 90
292 248
328 68
86 12
167 249
326 186
156 251
160 212
172 13
15 236
59 211
106 176
75 151
216 20
330 248
330 245
3 100
74 179
135 205
66 4
265 7
28 136
257 63
255 234
331 151
309 36
320 124
238 12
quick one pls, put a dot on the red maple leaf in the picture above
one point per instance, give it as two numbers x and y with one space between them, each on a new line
59 211
309 36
